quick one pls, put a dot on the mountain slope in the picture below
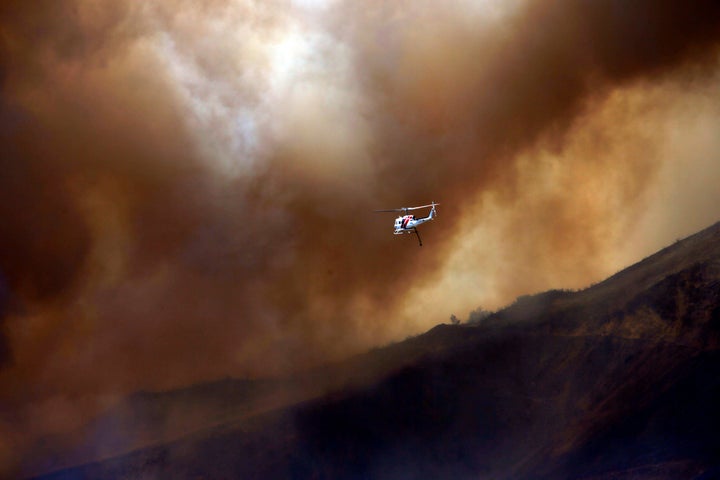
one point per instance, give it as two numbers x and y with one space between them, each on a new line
618 381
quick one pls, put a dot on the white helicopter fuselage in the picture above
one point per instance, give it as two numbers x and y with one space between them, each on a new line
407 223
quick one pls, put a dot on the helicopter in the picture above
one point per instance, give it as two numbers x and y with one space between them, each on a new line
407 223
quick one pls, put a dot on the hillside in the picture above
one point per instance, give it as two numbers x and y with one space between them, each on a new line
618 381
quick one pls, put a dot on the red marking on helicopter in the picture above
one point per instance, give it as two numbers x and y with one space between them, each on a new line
408 223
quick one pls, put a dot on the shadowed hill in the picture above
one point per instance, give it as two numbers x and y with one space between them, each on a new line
618 381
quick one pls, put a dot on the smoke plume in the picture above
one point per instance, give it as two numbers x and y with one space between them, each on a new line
186 188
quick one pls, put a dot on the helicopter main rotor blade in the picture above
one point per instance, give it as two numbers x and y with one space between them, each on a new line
422 206
405 209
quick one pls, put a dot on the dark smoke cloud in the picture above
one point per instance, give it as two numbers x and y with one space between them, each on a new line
459 104
186 187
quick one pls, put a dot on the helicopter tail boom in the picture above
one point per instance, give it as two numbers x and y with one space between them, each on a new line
408 223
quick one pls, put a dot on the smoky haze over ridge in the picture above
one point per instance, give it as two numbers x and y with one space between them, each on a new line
186 187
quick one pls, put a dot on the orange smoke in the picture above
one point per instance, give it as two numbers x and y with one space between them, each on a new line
186 188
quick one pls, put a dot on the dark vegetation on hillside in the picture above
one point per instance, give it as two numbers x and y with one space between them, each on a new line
618 381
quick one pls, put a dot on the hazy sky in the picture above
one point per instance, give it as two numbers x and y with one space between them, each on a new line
187 188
